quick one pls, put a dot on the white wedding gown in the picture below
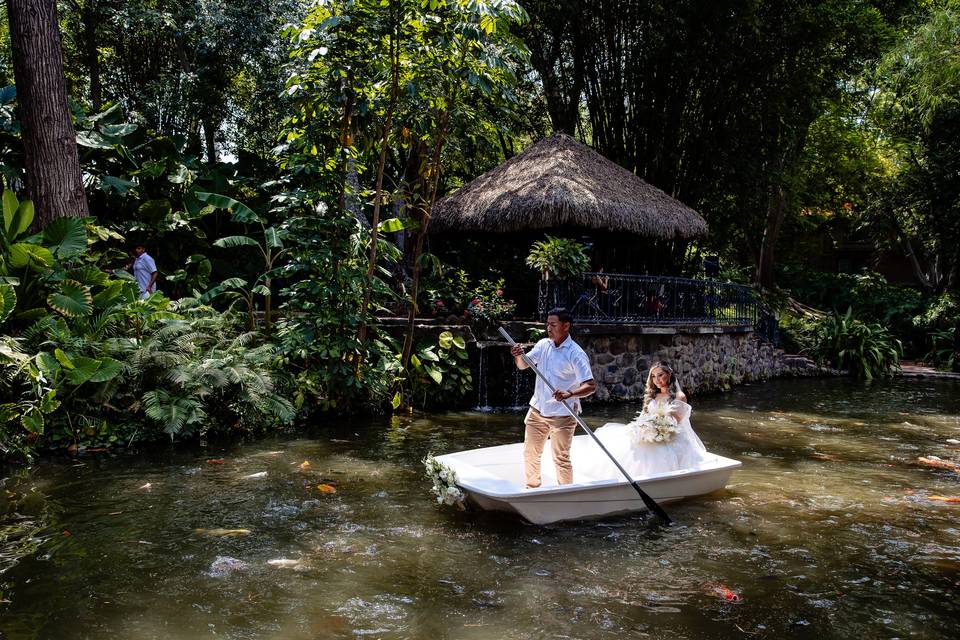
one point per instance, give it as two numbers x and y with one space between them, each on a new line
683 451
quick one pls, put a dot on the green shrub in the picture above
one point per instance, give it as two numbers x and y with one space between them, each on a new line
866 350
489 306
943 352
439 372
446 291
909 313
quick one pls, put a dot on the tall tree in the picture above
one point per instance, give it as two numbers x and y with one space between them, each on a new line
49 139
708 101
918 108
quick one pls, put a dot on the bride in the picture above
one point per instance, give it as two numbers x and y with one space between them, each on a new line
631 444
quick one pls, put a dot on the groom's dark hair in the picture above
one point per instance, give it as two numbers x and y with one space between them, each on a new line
562 314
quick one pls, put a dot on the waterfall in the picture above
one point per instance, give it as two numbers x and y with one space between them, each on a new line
483 402
516 401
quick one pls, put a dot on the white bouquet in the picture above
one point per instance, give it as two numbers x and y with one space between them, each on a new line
654 425
444 481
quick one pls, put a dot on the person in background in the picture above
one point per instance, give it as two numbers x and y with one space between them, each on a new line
144 271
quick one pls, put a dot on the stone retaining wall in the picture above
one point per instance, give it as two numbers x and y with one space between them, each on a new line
706 358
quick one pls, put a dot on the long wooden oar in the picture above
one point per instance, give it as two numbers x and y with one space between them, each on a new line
647 500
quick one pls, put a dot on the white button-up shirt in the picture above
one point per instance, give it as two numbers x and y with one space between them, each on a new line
143 268
566 367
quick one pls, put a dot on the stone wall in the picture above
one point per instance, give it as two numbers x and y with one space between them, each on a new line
706 358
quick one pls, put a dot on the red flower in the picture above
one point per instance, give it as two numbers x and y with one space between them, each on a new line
475 301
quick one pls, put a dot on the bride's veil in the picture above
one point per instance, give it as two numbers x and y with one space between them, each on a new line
695 440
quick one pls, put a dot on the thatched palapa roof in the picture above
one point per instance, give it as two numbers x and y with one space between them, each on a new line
559 182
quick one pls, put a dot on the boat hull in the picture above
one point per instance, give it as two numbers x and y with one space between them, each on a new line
492 479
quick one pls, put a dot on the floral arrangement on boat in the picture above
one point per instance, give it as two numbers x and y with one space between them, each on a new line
654 425
444 481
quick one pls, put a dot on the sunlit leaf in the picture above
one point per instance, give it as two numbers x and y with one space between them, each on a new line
8 301
240 211
47 363
30 255
72 299
392 225
93 140
10 205
49 403
32 422
119 130
446 339
435 374
272 238
236 241
21 220
181 175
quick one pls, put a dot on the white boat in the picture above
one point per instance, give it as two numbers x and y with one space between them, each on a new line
492 478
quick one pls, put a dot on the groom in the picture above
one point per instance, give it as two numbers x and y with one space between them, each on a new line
566 366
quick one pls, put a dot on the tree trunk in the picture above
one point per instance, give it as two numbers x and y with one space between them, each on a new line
210 139
378 191
49 139
433 182
91 19
776 209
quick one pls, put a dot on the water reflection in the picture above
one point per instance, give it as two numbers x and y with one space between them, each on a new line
827 531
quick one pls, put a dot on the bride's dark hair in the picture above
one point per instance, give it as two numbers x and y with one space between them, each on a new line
653 390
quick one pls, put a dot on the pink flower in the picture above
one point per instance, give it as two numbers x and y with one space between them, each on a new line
439 303
499 292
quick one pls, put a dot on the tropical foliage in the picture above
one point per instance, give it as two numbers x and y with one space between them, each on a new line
281 160
559 258
863 349
94 364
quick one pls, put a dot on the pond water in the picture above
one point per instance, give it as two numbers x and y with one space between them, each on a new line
827 531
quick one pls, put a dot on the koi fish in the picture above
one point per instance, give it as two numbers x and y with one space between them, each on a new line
326 488
222 533
721 591
939 463
947 499
254 476
284 563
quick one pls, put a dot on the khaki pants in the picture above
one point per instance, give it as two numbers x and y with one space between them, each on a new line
560 431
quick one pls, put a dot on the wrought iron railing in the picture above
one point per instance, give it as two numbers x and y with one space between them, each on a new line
623 298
